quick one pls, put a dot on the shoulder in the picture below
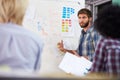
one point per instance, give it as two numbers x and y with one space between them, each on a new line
103 41
33 36
93 32
20 32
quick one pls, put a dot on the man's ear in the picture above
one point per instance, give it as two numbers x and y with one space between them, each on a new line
90 19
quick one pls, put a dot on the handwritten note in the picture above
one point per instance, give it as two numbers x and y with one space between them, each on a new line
75 65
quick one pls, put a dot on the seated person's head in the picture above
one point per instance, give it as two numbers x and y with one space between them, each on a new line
12 11
108 21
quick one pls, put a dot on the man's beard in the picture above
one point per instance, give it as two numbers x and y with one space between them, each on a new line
85 25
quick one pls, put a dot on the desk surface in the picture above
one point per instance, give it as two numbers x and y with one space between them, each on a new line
21 75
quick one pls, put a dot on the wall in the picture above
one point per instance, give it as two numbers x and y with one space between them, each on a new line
54 20
116 2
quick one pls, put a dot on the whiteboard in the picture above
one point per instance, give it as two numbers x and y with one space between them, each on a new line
54 20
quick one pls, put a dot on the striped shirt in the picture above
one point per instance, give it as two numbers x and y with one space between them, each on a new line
107 56
87 43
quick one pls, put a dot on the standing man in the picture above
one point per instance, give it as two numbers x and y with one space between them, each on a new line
88 37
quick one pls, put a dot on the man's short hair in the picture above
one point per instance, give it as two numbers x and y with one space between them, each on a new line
85 11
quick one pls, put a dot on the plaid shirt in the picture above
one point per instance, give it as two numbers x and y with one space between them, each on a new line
107 56
88 41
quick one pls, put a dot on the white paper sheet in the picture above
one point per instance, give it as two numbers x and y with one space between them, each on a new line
75 65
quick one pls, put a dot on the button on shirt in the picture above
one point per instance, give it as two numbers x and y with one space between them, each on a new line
87 43
107 56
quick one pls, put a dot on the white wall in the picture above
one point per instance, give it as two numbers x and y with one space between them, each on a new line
44 17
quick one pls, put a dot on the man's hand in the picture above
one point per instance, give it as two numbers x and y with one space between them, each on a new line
86 57
61 46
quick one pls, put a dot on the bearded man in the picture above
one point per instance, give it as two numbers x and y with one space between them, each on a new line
88 37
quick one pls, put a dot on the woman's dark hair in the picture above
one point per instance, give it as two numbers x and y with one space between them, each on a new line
108 21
